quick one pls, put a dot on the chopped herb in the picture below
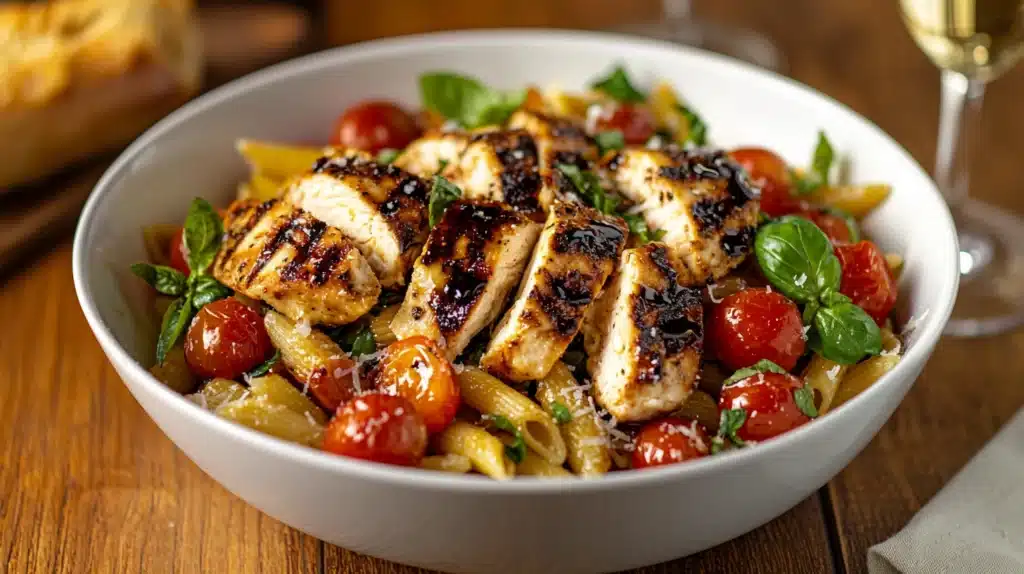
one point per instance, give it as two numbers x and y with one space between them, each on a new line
388 155
589 188
264 367
609 140
442 194
516 451
730 421
698 130
202 234
355 339
466 100
762 366
205 290
638 227
821 165
176 318
364 343
804 398
165 280
561 413
618 87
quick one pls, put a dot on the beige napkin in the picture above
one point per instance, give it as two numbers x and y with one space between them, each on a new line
975 525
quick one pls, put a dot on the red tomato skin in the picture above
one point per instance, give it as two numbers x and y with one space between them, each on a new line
226 339
769 172
332 384
756 324
436 397
374 125
670 440
378 427
831 225
866 279
178 259
635 121
769 403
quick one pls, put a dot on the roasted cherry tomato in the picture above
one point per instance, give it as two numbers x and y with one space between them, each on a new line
834 226
333 384
756 324
635 121
378 427
226 339
769 403
866 279
375 125
670 440
416 369
769 172
178 259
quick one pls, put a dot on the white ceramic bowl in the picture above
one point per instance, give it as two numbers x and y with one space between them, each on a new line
467 523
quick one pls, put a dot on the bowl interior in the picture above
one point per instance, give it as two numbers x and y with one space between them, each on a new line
191 153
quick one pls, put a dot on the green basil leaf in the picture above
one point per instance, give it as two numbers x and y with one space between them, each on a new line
466 100
364 343
729 422
638 227
845 333
588 186
618 87
824 155
698 132
810 309
609 140
203 232
388 155
442 194
264 367
176 319
204 290
804 398
561 413
797 258
762 366
164 279
516 451
831 298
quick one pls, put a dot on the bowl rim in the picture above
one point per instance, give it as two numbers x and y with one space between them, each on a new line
929 328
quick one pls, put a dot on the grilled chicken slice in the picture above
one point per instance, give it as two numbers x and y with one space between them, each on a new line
502 166
426 155
644 336
558 140
295 263
473 257
701 200
381 208
577 251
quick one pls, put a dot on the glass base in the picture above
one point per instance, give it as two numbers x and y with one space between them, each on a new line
991 296
738 43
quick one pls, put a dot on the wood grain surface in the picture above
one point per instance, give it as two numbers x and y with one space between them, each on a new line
89 484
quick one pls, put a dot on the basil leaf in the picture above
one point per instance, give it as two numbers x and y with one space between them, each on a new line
804 398
609 140
729 422
830 298
388 155
618 87
466 100
845 334
561 413
589 188
824 155
638 227
205 290
364 343
264 367
442 194
797 258
810 309
762 366
203 231
175 321
164 279
698 130
516 451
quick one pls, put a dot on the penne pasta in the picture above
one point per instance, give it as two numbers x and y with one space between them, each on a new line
535 465
485 452
857 200
174 371
492 397
585 438
890 342
863 375
217 392
277 390
274 419
264 188
823 376
278 161
380 325
303 351
456 463
702 408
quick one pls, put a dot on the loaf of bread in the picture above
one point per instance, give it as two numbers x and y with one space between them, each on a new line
81 77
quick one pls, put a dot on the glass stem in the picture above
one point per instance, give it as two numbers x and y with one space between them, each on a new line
959 123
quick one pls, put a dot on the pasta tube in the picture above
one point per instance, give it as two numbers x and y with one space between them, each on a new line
278 161
863 375
380 325
534 465
585 439
824 376
456 463
485 452
857 200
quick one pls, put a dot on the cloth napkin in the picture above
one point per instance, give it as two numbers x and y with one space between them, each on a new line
975 525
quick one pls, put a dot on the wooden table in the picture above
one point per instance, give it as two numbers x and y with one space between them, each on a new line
89 484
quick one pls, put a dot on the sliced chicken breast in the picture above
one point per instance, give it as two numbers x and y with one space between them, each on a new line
502 166
577 251
472 259
558 140
295 263
381 208
426 155
644 336
701 200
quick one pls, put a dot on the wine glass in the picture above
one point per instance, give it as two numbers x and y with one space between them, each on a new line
678 25
973 42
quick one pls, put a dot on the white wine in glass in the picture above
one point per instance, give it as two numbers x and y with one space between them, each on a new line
973 42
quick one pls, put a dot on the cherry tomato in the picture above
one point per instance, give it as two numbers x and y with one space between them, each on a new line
178 259
378 427
670 440
226 339
756 324
769 172
833 226
769 403
636 122
332 384
866 279
375 125
416 369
